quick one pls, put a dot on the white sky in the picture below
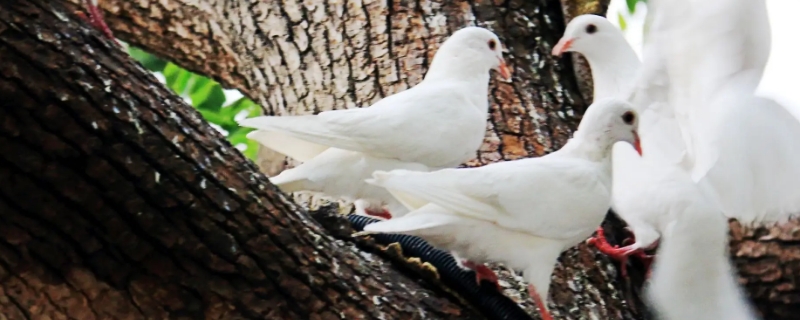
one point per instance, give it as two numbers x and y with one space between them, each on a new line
782 77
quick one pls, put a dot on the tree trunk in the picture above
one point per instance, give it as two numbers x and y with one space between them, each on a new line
168 207
123 203
768 262
298 57
119 201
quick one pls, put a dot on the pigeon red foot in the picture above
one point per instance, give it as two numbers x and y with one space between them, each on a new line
94 16
537 299
620 254
382 213
482 272
646 259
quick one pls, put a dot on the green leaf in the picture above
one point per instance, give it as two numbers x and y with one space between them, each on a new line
240 105
228 114
622 24
148 61
239 136
207 97
177 78
252 150
631 5
206 94
215 118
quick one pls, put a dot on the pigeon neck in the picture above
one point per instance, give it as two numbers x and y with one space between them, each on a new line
459 66
614 67
473 78
590 147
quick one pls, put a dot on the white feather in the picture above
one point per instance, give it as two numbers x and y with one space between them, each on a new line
742 145
479 241
692 276
710 148
340 173
702 63
439 123
523 213
300 150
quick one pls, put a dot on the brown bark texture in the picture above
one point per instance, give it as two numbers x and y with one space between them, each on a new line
118 201
125 204
297 57
768 262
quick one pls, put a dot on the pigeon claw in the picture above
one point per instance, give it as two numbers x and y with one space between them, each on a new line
482 272
619 254
382 213
537 299
94 16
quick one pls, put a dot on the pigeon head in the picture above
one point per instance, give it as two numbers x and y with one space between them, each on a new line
608 121
587 34
470 50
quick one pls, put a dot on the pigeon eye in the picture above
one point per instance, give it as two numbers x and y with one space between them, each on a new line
628 117
591 29
492 44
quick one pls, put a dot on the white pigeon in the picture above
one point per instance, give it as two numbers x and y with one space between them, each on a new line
739 150
650 201
744 146
439 123
523 213
613 62
614 66
700 70
698 112
692 277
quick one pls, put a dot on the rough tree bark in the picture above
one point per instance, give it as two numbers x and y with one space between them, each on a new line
302 57
125 204
118 201
768 262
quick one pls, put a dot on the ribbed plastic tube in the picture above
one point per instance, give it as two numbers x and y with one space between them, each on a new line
486 298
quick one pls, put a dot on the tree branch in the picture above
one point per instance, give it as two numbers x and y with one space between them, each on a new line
296 57
120 201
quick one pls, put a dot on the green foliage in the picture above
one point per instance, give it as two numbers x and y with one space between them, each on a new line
622 24
208 98
149 61
632 5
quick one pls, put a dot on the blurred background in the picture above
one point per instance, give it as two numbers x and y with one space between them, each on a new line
780 79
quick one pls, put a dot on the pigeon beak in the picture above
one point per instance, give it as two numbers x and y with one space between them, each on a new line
637 144
505 72
562 46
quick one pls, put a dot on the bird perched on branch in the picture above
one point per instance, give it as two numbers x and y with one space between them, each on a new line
713 150
522 213
439 123
614 67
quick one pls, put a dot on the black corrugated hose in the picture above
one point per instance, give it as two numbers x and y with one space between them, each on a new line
486 298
